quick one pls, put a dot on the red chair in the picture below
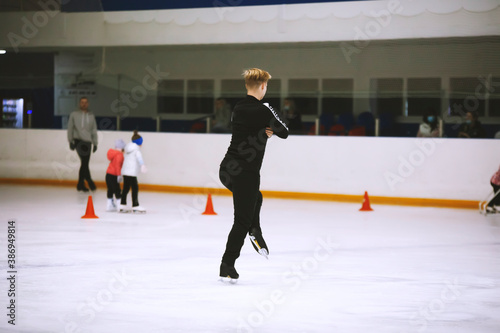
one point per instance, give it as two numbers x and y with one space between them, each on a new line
198 127
357 131
312 130
337 130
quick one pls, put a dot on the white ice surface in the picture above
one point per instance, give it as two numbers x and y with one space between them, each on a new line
331 268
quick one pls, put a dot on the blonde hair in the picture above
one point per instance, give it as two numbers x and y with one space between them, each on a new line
254 77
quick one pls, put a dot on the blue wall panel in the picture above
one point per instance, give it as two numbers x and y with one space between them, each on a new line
120 5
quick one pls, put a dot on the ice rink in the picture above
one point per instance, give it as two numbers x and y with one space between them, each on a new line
331 267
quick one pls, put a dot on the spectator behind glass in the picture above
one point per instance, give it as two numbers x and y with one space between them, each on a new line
222 119
292 116
429 127
471 127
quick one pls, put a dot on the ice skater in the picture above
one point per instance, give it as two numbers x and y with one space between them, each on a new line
494 204
82 134
113 174
132 165
253 122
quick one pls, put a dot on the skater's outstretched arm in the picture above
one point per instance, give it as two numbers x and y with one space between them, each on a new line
276 124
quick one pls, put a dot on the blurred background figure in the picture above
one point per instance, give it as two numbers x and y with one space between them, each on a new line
222 117
471 127
429 127
292 116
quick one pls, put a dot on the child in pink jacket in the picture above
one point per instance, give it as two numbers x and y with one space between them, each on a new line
115 157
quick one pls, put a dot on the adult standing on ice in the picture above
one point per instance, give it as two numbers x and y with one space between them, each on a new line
253 122
82 134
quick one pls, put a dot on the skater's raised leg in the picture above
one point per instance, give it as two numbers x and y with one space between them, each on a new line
255 232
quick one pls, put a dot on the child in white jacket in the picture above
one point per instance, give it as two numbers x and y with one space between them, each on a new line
132 165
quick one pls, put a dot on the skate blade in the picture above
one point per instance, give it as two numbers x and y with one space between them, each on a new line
139 212
228 280
124 211
261 251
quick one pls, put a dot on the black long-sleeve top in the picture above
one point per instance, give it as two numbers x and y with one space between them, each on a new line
248 142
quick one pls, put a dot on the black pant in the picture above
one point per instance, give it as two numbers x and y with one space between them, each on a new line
247 201
495 201
113 186
83 149
130 182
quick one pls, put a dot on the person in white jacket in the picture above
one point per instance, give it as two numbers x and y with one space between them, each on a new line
132 165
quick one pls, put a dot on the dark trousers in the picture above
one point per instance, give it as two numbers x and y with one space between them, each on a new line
495 201
83 149
113 186
247 201
128 183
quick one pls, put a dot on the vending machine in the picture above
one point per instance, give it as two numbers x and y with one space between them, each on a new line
12 113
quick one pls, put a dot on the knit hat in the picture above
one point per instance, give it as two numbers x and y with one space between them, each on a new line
119 144
136 138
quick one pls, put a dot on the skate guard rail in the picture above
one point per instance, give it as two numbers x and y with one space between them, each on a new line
380 200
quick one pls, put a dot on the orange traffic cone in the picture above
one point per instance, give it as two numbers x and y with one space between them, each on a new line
209 210
89 213
366 203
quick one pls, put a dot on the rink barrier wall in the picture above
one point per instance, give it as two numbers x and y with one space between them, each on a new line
378 200
442 172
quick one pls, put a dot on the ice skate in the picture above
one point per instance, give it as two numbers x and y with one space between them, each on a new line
258 242
138 209
92 186
81 188
111 206
491 210
123 209
228 274
488 206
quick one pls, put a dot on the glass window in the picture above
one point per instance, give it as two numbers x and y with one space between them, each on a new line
494 106
273 95
305 94
232 90
171 96
337 96
200 96
387 96
463 97
423 94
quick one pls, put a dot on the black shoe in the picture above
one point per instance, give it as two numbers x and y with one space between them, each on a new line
81 188
258 242
227 271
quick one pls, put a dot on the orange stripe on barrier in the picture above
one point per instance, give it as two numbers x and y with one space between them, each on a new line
377 200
